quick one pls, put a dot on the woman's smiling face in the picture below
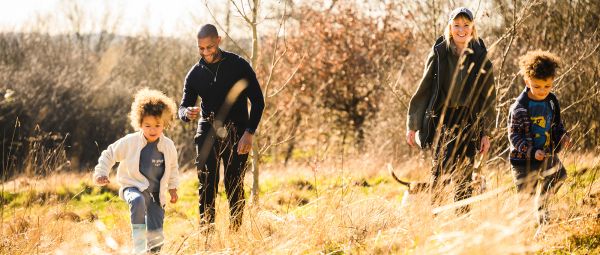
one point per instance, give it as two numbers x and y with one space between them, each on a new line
461 30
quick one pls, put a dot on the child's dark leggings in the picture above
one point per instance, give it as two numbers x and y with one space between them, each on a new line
212 151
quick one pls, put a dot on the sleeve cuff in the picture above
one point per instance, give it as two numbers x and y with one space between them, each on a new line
251 131
181 114
412 123
531 153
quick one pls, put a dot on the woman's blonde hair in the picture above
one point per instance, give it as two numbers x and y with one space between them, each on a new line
448 35
149 102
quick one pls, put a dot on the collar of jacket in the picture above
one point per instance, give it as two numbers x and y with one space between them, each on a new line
523 99
478 47
161 141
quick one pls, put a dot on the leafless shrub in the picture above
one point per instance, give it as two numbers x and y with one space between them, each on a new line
352 74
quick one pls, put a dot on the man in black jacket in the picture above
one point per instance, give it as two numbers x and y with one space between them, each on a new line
225 82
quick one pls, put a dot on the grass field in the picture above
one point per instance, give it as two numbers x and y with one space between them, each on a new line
309 210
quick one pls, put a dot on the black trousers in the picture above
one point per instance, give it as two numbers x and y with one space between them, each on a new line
453 155
214 148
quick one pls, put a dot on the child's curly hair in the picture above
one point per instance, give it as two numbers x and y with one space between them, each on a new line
539 64
148 102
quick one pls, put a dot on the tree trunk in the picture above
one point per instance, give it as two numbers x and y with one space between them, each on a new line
254 58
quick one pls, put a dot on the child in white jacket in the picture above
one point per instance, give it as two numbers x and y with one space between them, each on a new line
148 167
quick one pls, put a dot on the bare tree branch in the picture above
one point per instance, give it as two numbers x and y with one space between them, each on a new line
241 12
242 51
289 79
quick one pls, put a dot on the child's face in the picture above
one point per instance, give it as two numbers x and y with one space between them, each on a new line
538 88
152 127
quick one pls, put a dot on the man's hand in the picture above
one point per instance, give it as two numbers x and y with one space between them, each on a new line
484 147
174 197
245 143
102 180
192 112
410 137
539 155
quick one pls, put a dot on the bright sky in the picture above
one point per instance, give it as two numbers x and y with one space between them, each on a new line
171 18
178 18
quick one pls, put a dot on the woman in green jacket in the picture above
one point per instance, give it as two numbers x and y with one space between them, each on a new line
452 110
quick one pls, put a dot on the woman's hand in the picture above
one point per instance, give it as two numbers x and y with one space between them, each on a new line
410 137
484 147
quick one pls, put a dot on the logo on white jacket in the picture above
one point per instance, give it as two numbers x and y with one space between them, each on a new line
158 162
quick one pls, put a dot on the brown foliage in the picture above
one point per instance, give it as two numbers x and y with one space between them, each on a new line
348 58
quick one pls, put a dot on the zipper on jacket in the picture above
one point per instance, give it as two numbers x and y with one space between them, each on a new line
436 90
152 196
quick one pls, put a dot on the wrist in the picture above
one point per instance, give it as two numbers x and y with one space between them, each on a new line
250 131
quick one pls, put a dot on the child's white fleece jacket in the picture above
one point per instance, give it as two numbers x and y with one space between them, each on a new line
127 151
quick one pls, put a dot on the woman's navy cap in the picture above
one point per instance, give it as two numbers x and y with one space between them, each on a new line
459 10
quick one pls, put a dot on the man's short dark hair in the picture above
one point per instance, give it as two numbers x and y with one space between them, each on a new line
208 30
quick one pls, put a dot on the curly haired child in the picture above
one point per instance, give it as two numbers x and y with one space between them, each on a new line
148 167
536 130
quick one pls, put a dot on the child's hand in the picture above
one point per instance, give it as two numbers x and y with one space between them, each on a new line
174 197
102 180
539 155
566 141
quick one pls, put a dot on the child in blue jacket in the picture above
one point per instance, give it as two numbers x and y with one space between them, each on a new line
536 130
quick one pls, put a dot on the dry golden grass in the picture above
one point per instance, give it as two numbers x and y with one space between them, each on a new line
315 210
